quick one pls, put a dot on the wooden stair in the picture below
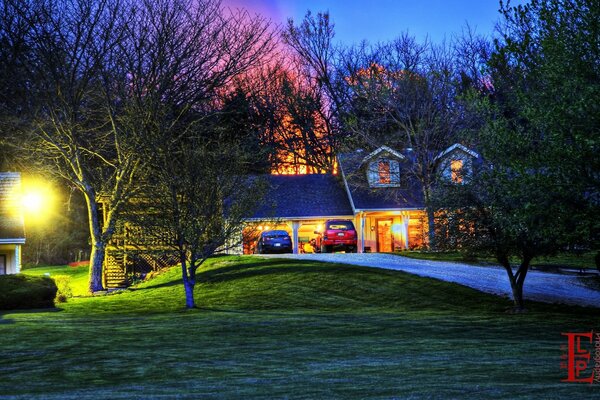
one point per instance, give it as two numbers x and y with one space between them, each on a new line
114 270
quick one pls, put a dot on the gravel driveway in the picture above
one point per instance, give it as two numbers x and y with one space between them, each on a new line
539 286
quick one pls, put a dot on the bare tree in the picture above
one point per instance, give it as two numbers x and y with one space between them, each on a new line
110 74
71 127
404 94
199 200
184 59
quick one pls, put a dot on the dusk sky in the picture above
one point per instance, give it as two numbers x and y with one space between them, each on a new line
382 20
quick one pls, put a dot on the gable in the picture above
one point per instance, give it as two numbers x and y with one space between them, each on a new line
363 196
456 163
382 167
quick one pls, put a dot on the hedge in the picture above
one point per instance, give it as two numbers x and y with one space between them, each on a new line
24 291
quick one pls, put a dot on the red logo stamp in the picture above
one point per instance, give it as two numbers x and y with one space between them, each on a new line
581 357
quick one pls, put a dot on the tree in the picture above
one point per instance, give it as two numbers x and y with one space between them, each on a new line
537 192
507 208
198 200
68 123
106 75
311 92
183 67
547 64
405 95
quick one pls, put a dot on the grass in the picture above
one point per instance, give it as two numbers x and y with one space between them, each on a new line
78 276
269 328
564 260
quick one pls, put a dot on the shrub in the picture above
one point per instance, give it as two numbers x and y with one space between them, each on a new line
63 283
24 291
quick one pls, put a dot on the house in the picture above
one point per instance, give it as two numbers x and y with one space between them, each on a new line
373 190
12 231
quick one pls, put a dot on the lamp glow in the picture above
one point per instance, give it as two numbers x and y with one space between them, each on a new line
33 202
37 201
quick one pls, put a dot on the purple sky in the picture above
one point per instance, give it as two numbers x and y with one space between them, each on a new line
379 20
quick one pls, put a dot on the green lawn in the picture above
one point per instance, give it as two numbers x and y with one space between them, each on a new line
270 328
78 276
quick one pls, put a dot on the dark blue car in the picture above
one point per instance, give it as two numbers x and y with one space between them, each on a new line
274 242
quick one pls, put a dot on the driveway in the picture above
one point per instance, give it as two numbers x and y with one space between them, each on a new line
539 286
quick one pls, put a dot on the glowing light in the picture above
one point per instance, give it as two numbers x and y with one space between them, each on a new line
320 228
37 201
396 228
32 202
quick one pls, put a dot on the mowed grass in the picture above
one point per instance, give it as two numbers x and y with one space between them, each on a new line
78 276
269 328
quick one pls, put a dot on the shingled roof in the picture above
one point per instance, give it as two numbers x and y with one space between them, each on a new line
11 215
407 196
305 196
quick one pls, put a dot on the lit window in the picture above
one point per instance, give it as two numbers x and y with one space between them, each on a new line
384 172
456 172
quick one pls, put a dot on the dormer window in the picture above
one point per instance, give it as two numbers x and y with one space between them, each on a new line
456 163
384 172
382 167
456 171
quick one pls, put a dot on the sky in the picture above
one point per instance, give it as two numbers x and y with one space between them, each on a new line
382 20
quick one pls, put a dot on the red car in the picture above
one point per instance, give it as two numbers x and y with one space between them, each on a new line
336 234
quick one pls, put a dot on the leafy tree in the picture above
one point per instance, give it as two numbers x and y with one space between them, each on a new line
548 66
537 192
508 208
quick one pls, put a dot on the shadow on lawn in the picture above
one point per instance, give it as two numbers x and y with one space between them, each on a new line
4 321
261 268
248 270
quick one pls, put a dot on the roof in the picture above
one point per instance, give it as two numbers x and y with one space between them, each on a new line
304 196
381 150
458 146
363 197
11 214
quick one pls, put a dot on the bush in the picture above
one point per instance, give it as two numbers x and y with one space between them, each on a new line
63 283
24 291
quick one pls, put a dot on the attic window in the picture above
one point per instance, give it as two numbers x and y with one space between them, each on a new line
456 171
384 172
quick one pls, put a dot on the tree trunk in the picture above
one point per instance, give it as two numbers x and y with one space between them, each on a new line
430 216
516 280
431 228
95 269
98 244
189 294
188 284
